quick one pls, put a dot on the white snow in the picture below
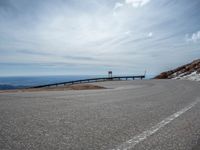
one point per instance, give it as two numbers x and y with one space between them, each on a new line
194 76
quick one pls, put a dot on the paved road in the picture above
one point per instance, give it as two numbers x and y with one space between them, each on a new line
138 115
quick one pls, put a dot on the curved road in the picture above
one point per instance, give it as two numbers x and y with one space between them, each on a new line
138 115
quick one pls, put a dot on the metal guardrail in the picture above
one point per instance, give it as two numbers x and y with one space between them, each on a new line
91 81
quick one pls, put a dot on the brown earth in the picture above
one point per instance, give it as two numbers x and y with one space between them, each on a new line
58 88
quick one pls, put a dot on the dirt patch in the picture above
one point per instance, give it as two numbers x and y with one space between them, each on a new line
58 88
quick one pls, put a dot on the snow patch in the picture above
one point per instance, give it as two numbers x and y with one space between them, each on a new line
194 76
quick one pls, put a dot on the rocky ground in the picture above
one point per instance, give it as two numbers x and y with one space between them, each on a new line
189 71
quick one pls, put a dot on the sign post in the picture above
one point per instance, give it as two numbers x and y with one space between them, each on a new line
109 74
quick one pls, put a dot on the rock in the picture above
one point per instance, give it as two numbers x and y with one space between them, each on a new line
181 71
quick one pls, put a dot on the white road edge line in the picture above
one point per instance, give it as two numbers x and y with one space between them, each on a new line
144 135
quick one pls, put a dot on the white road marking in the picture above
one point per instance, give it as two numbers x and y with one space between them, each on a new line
144 135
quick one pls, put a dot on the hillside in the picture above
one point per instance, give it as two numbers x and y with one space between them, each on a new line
189 71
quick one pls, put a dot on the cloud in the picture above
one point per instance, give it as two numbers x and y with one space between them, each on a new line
127 32
118 5
32 52
134 3
137 3
150 35
87 33
195 37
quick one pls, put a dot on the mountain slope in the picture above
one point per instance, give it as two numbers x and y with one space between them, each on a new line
189 71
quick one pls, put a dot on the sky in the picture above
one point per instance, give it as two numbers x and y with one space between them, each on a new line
90 37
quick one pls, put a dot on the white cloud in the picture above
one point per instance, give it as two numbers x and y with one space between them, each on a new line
195 37
127 32
134 3
137 3
150 35
118 5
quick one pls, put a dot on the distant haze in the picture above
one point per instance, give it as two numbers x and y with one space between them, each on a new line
57 37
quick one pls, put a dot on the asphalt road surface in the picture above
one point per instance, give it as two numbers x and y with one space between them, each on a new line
138 115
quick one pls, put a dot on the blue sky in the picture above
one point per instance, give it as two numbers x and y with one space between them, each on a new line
48 37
